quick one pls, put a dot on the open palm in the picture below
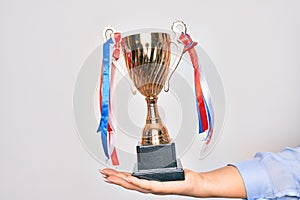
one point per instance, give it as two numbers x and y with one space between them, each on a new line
127 181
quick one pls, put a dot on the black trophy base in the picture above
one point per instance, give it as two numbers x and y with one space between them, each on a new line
161 174
158 162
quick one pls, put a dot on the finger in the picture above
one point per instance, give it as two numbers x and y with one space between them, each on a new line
119 178
162 188
149 185
125 183
111 172
108 171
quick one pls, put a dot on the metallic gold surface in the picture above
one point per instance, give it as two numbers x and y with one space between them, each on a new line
154 132
147 58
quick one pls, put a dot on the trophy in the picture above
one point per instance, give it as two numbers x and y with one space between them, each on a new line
147 55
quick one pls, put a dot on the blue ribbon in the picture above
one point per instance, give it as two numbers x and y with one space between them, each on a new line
209 119
105 95
208 116
199 118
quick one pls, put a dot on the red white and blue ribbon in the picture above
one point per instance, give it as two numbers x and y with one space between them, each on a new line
204 106
209 108
105 93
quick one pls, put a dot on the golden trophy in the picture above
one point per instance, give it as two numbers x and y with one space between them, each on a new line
147 55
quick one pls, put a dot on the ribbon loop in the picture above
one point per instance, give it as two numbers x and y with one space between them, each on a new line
187 42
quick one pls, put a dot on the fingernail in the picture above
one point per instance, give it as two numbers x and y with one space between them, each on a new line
126 179
106 180
101 171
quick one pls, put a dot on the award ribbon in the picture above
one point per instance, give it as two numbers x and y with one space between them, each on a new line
203 99
105 93
209 108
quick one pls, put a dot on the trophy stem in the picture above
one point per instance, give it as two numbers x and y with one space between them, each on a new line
154 132
152 114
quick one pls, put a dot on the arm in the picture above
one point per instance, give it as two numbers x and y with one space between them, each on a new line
268 175
223 182
272 175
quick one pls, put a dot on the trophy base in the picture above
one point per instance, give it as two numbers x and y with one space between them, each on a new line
156 156
158 162
161 174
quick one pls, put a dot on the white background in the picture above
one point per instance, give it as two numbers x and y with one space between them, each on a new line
254 44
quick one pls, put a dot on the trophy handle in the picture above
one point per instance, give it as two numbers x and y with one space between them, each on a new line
178 27
108 33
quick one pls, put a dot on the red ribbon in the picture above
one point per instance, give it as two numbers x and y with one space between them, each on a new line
189 47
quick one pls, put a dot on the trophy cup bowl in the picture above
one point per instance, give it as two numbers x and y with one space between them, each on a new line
147 57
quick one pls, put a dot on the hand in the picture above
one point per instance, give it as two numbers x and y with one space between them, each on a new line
222 182
124 179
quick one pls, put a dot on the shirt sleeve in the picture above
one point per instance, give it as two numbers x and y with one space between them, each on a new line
272 175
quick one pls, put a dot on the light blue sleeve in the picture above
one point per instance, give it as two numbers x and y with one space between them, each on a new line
272 175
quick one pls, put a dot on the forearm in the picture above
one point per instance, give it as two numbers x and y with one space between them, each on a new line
222 182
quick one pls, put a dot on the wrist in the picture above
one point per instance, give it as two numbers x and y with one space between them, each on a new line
194 185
